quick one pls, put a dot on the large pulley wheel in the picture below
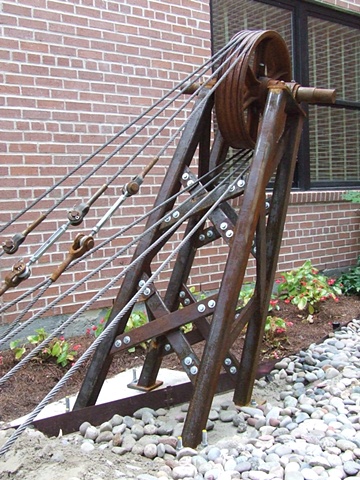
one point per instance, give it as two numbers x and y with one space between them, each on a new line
256 58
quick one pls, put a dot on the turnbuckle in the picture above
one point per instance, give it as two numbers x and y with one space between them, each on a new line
81 245
19 272
11 245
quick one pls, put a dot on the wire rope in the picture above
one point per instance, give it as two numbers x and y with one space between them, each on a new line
114 280
11 332
86 355
208 63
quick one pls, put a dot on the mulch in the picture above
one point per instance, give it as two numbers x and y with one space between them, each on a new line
20 394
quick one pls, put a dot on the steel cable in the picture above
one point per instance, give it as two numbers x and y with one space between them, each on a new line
208 63
87 354
11 331
114 280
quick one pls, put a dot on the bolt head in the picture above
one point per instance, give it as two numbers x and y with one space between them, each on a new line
201 308
185 176
118 343
126 339
227 361
188 361
194 370
223 226
229 233
233 370
211 303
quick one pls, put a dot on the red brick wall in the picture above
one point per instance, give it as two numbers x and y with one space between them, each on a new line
72 74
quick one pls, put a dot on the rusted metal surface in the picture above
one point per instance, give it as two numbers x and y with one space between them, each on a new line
257 108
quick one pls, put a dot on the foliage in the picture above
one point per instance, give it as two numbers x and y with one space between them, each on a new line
274 325
352 196
306 287
136 319
349 282
58 348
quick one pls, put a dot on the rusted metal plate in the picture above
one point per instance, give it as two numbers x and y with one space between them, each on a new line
166 398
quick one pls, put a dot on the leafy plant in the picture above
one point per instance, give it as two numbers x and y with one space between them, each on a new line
136 319
306 287
58 348
274 325
349 282
352 196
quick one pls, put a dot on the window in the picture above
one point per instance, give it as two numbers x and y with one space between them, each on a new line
325 47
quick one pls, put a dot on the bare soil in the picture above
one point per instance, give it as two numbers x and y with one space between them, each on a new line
26 389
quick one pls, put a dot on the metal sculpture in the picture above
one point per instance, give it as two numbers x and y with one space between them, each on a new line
251 156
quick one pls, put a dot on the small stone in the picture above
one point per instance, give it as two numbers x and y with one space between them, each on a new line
91 433
104 437
161 450
83 427
227 416
128 442
345 445
351 467
137 430
186 452
119 450
117 440
129 421
183 471
105 427
150 450
331 373
87 447
213 453
116 420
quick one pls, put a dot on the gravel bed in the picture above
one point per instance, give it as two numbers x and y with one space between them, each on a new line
308 429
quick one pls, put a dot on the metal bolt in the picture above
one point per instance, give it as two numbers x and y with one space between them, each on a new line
223 226
204 438
141 283
229 233
167 219
201 308
176 214
211 303
182 294
190 182
267 205
126 339
227 361
188 361
209 233
193 370
241 183
167 347
233 370
202 237
118 343
185 176
231 189
187 301
147 291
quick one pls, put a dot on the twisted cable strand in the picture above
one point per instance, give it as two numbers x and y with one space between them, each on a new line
208 63
13 329
58 330
107 331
